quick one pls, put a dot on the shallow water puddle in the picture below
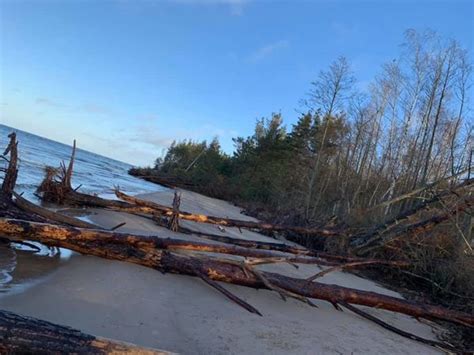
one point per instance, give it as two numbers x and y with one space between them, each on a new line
22 266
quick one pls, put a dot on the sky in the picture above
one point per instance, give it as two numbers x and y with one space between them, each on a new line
127 77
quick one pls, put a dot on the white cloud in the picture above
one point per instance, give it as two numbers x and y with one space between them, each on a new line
268 50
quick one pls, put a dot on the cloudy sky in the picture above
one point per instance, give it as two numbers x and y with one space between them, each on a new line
126 77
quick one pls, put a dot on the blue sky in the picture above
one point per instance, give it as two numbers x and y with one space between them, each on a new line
126 77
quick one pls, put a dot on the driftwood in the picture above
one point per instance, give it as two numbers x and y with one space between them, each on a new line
20 334
141 250
227 222
11 172
7 207
28 206
284 248
173 222
193 246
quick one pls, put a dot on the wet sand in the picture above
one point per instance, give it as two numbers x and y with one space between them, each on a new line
182 314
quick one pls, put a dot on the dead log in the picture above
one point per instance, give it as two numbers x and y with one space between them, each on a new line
173 222
7 207
21 334
11 173
227 222
28 206
171 244
132 249
284 248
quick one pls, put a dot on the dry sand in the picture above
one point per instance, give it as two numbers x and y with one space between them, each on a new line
182 314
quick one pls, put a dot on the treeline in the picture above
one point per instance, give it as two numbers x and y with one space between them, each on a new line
351 149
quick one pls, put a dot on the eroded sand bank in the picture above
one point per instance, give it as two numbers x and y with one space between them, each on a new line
182 314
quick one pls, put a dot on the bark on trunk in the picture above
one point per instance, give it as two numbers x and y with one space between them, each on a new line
228 222
11 173
284 248
21 334
7 208
28 206
133 249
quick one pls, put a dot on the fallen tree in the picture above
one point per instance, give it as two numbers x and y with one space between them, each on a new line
21 334
418 227
227 222
284 248
28 206
359 240
140 250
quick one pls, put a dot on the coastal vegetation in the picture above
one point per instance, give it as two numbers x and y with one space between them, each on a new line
384 154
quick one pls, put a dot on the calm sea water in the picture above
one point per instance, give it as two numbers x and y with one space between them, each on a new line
21 266
97 174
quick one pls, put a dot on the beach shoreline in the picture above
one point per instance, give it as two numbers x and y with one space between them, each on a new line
182 314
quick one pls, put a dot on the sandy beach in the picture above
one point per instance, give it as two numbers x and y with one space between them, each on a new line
182 314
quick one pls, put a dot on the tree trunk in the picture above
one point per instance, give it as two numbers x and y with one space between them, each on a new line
28 206
222 221
135 249
21 334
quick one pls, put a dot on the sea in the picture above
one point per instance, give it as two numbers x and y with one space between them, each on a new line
95 173
22 266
